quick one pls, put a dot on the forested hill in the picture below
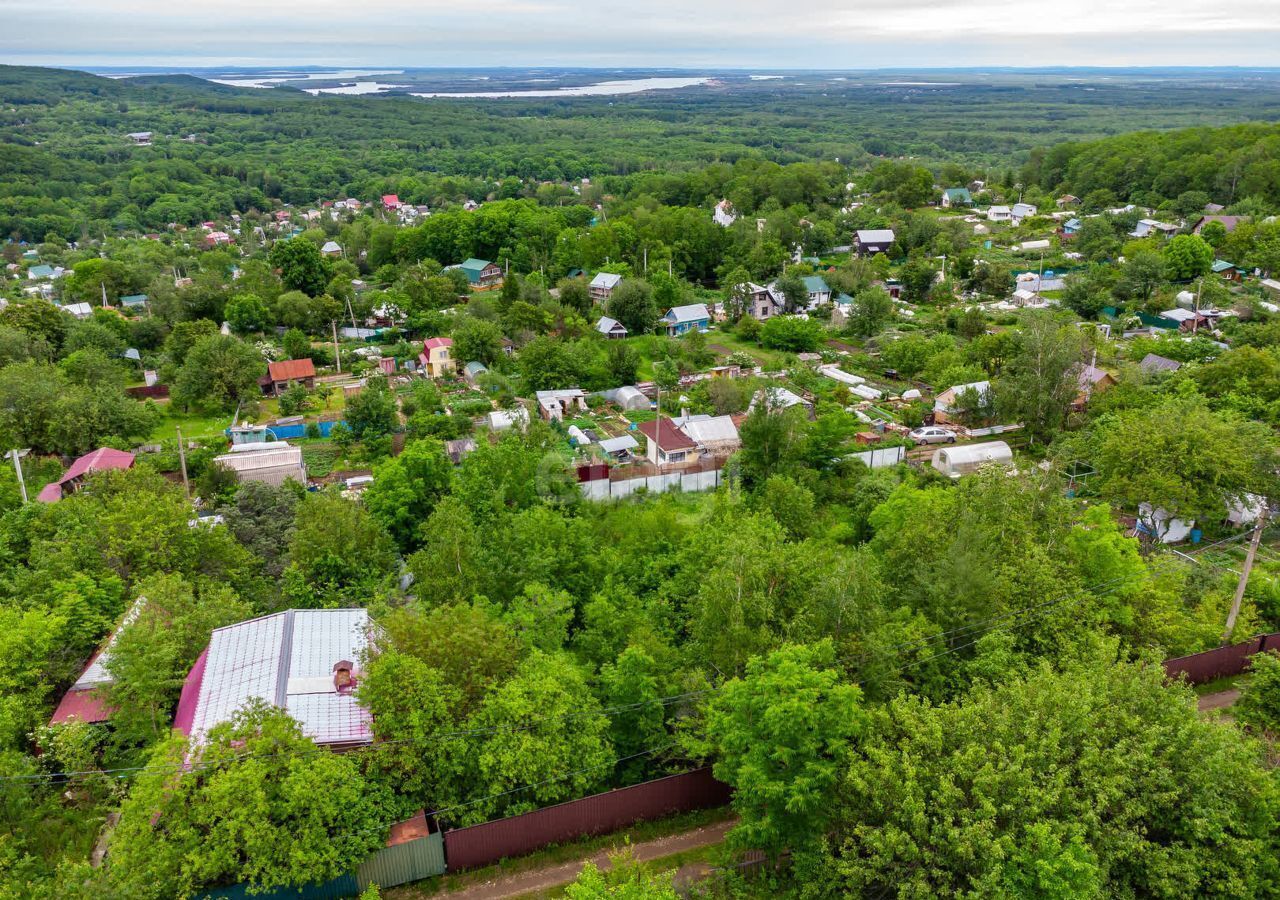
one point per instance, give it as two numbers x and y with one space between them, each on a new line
1228 163
68 168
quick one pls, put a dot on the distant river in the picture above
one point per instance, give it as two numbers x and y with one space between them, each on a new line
602 89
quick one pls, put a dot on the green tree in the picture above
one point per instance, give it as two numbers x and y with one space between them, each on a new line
872 309
782 736
301 266
1187 256
477 340
338 555
296 344
792 333
219 372
406 488
449 567
1038 386
625 879
373 412
1259 703
247 313
632 304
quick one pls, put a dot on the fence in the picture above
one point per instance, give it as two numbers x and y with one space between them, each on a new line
881 457
702 477
481 845
144 391
1220 662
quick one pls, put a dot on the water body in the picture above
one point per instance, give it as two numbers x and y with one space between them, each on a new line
269 81
356 87
601 89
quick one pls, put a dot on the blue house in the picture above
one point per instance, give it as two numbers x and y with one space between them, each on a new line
680 319
1072 226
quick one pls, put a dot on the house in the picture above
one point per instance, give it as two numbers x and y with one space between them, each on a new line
666 445
611 328
552 405
83 701
944 405
280 375
459 449
1070 228
716 435
134 301
99 460
481 274
1090 381
956 197
762 302
472 371
390 201
681 319
331 248
818 290
1153 364
1025 297
42 273
601 287
1067 200
1187 319
999 214
217 238
304 661
724 214
437 357
1020 211
1148 227
79 310
273 462
869 241
140 138
1227 270
1228 222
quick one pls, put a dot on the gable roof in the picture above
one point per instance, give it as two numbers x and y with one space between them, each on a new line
97 461
606 280
693 312
1153 362
607 325
666 435
957 194
475 265
816 284
291 369
875 236
286 659
437 343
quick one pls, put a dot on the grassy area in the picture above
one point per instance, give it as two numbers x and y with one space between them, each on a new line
561 853
1225 683
195 426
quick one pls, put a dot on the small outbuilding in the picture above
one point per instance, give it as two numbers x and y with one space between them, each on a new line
956 461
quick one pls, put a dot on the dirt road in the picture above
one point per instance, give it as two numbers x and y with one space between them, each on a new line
1220 700
521 883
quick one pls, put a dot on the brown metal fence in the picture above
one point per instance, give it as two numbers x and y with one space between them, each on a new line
481 845
1220 662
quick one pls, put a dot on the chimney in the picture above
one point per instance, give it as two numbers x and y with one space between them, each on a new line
344 680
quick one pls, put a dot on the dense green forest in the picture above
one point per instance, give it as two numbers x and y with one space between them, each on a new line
918 685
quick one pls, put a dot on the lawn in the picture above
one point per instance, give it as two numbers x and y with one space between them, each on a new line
195 426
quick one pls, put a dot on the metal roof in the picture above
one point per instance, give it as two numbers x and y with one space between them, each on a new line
875 236
694 312
286 659
290 369
606 280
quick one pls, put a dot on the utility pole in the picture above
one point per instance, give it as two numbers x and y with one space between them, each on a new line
16 456
182 459
337 352
1244 575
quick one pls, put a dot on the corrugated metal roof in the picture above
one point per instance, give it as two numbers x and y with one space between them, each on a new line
287 660
290 369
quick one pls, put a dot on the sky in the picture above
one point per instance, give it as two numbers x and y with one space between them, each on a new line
755 34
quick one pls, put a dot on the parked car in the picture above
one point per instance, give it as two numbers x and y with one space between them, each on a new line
933 434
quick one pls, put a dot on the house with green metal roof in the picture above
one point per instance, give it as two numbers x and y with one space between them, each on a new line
133 301
482 274
40 273
956 197
1227 270
819 291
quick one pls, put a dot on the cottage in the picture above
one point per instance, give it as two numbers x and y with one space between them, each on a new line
611 328
1228 222
870 241
819 292
100 460
716 435
945 404
601 287
1154 364
1090 381
78 310
134 302
1188 320
1228 270
1148 227
1020 211
1067 200
999 214
84 701
762 302
140 138
681 319
304 661
666 444
42 273
1071 227
274 463
481 274
437 357
956 197
390 201
552 405
459 449
280 375
331 248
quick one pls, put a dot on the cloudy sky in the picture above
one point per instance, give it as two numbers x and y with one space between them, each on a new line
842 34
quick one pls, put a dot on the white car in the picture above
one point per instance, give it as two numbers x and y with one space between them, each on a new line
933 434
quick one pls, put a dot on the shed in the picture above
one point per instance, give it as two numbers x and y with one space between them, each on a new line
271 463
956 461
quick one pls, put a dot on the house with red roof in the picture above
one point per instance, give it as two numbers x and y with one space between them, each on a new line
437 357
85 699
99 460
666 444
286 372
390 201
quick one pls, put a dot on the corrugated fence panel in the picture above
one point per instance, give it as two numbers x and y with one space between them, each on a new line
335 889
402 863
480 845
1220 662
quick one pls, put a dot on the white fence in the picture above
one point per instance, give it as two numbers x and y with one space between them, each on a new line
607 489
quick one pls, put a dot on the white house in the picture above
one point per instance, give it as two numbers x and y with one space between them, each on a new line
1021 211
611 328
998 214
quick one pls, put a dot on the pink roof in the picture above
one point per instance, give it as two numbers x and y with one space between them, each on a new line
433 343
186 713
390 201
84 705
99 460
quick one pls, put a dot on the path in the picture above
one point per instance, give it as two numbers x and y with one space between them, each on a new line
1220 700
520 883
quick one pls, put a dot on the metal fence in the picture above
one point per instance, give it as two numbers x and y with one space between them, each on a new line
481 845
1220 662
